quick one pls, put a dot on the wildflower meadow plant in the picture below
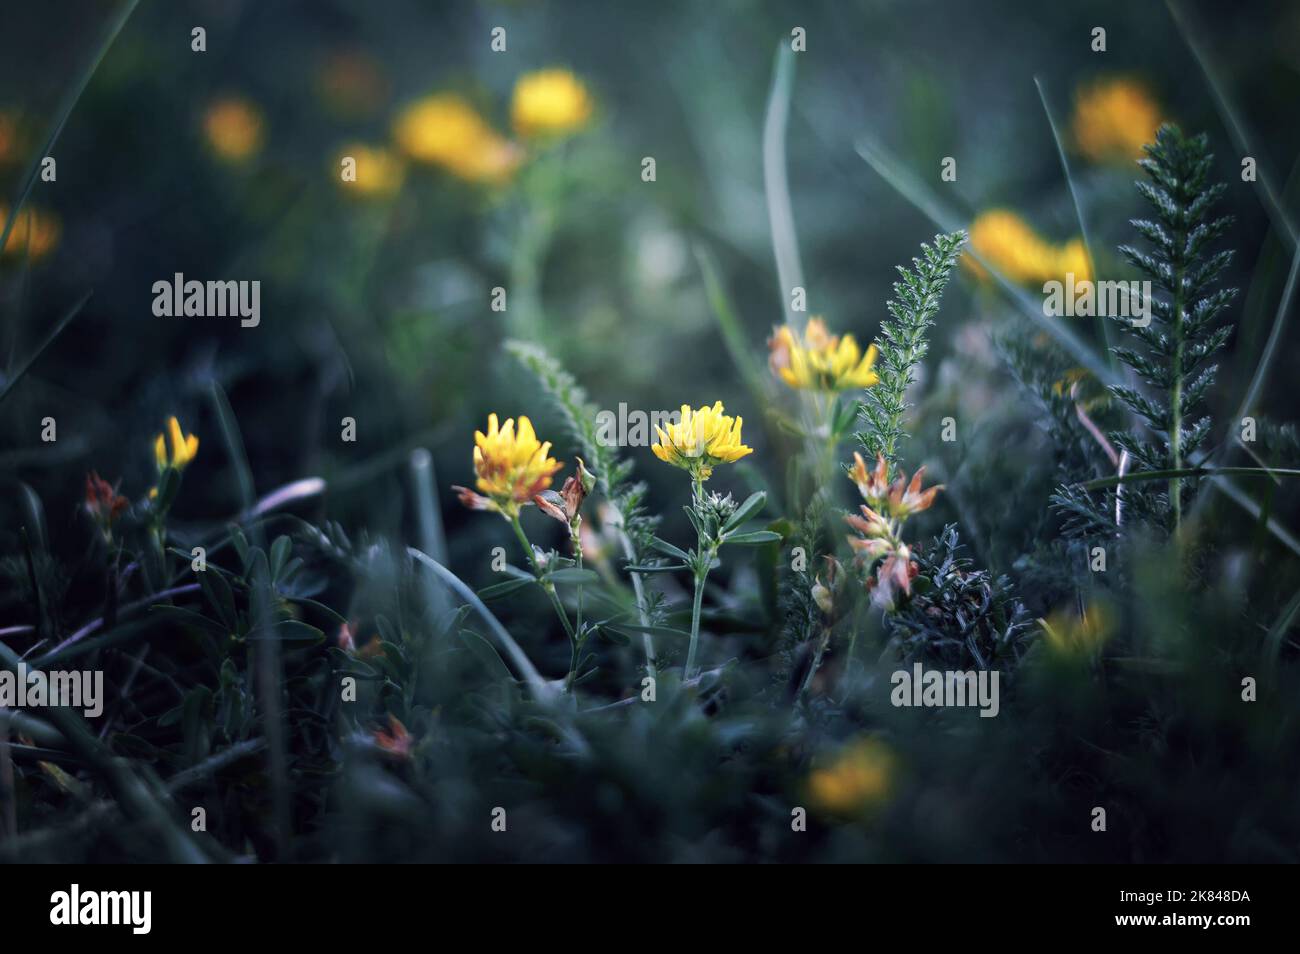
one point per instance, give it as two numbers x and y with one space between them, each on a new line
381 578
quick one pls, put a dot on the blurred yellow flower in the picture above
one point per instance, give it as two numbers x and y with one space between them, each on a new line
445 130
183 448
1009 244
858 780
233 127
1113 119
701 440
512 467
1070 635
379 171
1072 258
550 102
35 233
8 137
820 361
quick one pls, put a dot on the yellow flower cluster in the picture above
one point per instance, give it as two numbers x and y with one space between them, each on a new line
183 447
701 440
820 361
35 233
1010 245
512 465
1113 119
861 778
379 171
444 129
1071 635
233 128
550 103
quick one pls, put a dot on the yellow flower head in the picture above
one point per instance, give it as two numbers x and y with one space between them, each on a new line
183 448
35 233
379 171
1072 258
858 780
550 102
1113 119
445 130
233 128
1009 244
512 465
701 440
1072 636
820 361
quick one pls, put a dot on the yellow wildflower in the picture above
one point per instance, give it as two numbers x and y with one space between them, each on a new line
379 171
233 127
1072 259
820 361
512 465
1113 119
550 102
183 448
1010 245
1070 635
701 440
35 233
444 129
858 780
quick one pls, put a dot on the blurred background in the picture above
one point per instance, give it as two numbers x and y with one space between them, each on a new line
376 294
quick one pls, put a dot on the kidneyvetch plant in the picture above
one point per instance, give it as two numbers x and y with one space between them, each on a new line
701 440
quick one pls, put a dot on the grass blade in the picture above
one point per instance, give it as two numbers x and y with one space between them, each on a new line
785 242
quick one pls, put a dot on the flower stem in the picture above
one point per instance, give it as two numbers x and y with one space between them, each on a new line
575 658
546 584
695 625
704 551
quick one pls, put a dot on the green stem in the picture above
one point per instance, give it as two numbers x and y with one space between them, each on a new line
575 658
1141 475
546 584
1176 402
817 660
704 559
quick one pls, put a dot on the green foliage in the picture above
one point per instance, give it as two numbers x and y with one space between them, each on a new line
958 617
902 343
613 474
1182 338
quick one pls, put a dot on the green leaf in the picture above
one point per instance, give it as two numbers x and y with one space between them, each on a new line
189 618
485 653
615 636
666 548
753 503
497 590
219 594
280 551
289 632
652 630
573 575
672 568
753 539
